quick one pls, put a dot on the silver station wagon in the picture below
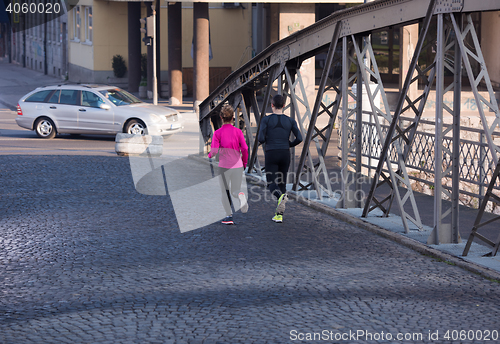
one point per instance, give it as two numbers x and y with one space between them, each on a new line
93 109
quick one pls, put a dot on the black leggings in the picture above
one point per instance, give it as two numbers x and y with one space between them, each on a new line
277 163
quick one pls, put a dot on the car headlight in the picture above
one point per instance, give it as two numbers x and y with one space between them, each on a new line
155 118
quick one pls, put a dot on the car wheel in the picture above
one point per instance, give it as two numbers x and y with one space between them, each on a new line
136 127
45 128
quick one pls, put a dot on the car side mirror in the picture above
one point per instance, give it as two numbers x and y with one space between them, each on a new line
105 106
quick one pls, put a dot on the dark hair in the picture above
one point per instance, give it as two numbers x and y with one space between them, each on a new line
278 101
227 113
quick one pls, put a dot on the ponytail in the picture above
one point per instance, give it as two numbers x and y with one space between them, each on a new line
227 113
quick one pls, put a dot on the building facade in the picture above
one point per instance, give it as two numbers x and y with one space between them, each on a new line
80 45
90 55
41 44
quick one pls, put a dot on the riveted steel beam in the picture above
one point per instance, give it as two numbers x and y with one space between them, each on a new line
474 53
275 72
395 133
378 114
298 97
313 133
350 137
372 16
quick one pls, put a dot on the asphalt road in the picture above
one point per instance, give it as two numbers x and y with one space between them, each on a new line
17 140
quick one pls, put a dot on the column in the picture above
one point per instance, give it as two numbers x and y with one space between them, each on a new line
134 46
200 52
158 46
490 41
409 39
293 18
175 52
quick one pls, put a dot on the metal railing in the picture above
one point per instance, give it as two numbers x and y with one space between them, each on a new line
476 164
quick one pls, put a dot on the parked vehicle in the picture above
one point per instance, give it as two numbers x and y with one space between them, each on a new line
93 109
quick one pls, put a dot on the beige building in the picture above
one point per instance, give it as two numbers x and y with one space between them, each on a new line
98 31
238 31
83 42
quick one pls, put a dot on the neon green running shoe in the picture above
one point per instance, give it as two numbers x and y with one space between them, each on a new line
278 218
280 209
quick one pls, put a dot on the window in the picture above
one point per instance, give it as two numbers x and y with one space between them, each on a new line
38 97
76 23
40 23
28 25
68 97
55 21
49 27
33 26
62 27
91 99
55 97
88 24
120 97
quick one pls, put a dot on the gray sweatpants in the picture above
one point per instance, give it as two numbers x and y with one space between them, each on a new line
230 183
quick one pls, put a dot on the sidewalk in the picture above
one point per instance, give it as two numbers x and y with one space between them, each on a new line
16 81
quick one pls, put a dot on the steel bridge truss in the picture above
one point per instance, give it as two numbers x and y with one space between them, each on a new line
277 69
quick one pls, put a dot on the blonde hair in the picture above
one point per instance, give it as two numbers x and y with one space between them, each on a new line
227 113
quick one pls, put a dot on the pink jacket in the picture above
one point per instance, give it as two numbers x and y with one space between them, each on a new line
228 141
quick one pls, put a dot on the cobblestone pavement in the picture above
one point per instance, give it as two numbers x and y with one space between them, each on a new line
87 259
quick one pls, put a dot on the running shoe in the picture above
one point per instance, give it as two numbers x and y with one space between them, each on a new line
278 218
228 220
280 209
243 202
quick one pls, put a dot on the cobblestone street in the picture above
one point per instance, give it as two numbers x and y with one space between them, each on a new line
87 259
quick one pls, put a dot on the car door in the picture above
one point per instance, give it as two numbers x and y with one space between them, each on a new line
62 106
33 107
92 118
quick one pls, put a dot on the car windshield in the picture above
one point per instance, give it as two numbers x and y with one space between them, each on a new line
120 97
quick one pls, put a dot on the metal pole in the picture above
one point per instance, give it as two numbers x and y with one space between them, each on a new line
344 126
359 125
158 49
153 43
438 151
45 62
149 12
293 111
455 193
482 156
